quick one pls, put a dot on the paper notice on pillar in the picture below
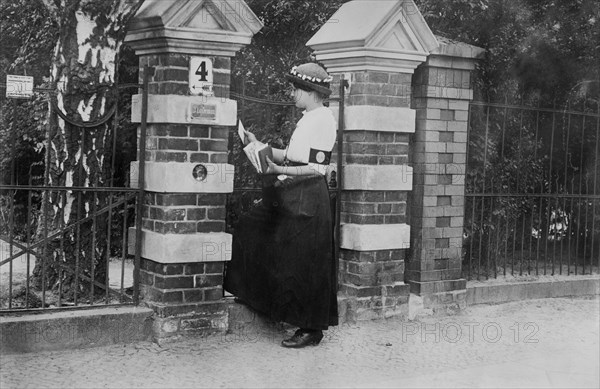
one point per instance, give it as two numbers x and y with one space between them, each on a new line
202 113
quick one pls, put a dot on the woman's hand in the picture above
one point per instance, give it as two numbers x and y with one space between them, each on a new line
250 137
272 168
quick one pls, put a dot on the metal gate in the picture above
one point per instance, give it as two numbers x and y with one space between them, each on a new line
82 261
532 190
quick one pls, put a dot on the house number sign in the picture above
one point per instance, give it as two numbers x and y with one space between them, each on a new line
201 76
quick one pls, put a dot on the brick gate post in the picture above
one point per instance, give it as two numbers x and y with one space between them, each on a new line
378 60
442 92
188 47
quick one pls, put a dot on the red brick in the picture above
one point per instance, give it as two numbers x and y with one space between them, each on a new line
172 74
174 214
173 59
221 63
164 156
394 219
175 199
442 243
219 158
197 131
213 145
211 199
218 213
361 136
194 268
378 77
445 157
221 78
203 280
178 144
214 267
361 159
442 222
360 208
193 295
146 278
199 157
180 227
385 160
173 282
213 294
210 226
444 200
444 179
148 225
446 137
172 88
196 213
219 133
365 219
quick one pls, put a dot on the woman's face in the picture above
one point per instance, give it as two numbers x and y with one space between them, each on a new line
299 96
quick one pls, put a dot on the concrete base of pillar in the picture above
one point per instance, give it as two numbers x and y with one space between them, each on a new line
352 308
440 297
200 319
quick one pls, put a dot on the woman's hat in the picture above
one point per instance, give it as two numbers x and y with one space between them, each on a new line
311 76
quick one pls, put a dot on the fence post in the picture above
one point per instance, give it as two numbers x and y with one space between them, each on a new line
187 50
377 61
442 92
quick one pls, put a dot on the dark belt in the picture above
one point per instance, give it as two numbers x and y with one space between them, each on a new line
287 162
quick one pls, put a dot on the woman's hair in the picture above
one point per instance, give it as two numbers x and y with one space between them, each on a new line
319 95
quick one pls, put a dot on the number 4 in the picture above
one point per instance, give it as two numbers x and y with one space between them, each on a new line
201 71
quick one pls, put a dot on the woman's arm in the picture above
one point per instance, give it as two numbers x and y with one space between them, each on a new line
278 155
304 170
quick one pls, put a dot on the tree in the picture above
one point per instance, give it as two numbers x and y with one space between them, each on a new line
82 74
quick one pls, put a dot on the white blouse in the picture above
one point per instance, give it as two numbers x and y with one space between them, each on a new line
313 139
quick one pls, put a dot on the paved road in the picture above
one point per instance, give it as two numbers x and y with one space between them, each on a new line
535 343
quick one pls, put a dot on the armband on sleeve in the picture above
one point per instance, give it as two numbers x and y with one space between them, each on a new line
320 157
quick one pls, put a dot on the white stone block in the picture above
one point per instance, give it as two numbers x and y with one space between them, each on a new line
182 248
178 177
368 237
216 111
374 118
378 177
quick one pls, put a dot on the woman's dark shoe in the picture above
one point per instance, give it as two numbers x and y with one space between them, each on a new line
303 338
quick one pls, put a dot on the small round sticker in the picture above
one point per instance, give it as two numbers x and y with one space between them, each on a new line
320 157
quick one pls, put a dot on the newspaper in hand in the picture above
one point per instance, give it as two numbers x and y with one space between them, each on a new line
257 153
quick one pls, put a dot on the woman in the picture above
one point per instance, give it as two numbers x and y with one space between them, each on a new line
282 262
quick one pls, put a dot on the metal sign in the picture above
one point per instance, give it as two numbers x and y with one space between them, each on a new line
201 76
19 87
203 112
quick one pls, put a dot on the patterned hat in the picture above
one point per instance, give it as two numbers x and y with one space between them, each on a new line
311 76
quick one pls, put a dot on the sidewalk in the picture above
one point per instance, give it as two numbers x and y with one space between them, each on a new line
534 343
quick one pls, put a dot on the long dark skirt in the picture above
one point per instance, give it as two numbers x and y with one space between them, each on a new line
282 263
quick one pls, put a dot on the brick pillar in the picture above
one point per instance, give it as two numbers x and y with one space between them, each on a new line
184 243
376 180
442 91
378 61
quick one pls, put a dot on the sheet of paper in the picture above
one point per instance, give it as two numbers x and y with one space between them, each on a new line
242 131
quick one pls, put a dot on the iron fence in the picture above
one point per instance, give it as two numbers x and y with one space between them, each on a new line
66 247
532 190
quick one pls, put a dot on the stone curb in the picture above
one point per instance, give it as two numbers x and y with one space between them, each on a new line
74 329
537 289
